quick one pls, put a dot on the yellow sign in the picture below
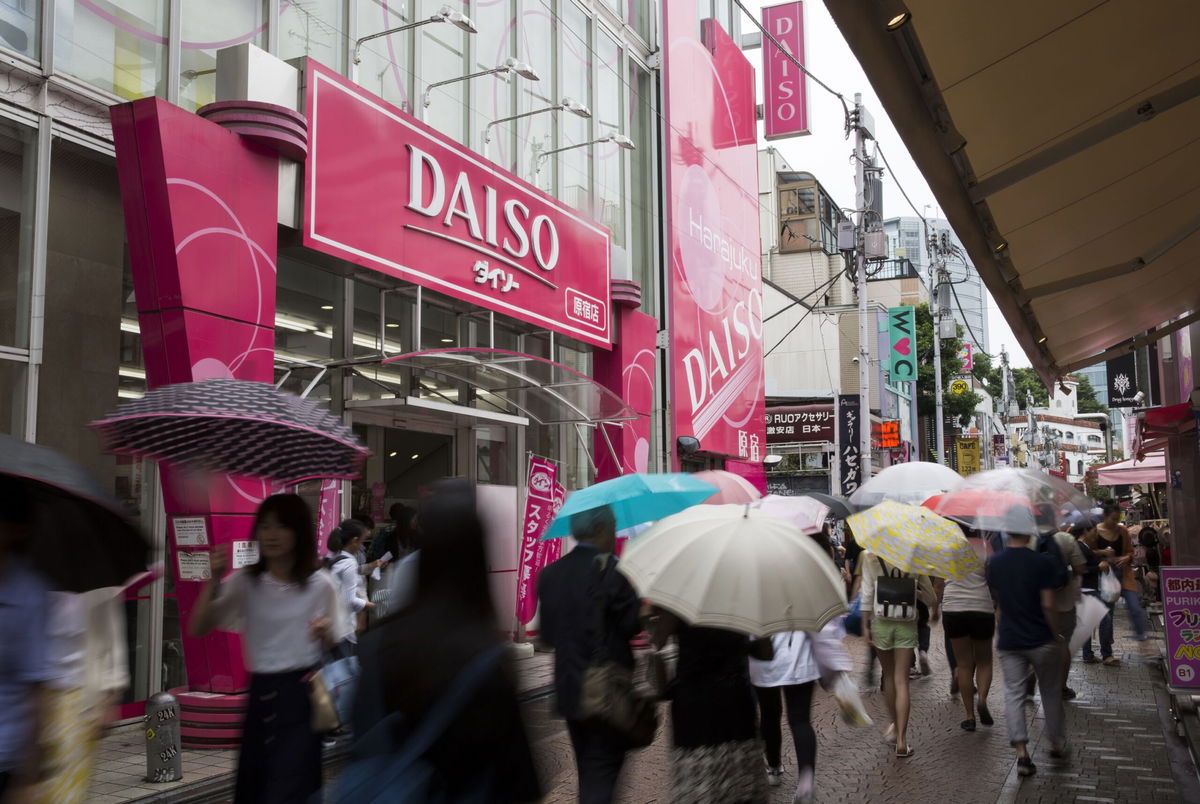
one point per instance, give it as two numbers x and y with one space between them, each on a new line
967 450
959 387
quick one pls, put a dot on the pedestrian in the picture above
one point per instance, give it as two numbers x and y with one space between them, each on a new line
1152 562
1095 564
588 608
969 621
344 545
788 679
716 756
25 668
1022 583
1065 601
397 538
889 614
290 615
1115 536
413 659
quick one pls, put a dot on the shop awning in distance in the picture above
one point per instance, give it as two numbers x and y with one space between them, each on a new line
1151 470
540 389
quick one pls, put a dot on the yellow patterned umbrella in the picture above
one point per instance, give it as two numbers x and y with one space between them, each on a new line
914 539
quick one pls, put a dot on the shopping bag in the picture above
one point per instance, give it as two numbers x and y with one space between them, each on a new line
1088 613
1110 586
331 691
845 692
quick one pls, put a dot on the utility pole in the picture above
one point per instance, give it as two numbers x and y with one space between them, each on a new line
1005 397
940 301
860 273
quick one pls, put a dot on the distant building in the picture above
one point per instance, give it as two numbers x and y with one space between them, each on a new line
1059 439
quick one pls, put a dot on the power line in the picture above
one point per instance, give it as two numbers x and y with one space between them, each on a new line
807 312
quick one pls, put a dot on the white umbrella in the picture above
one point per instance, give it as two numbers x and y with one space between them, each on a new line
913 483
805 513
733 567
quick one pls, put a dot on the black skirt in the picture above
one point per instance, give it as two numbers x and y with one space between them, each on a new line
280 760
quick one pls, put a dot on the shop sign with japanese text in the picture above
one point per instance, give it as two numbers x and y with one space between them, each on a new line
886 434
850 468
967 450
1181 620
542 501
388 192
799 423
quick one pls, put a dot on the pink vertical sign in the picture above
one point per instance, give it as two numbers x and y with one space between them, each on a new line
328 511
785 87
539 511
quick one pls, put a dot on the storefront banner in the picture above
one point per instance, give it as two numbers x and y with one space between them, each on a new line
715 327
849 447
1122 381
902 339
885 434
388 192
1181 619
967 452
535 553
785 86
804 423
328 511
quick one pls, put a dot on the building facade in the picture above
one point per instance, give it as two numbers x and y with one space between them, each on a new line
546 141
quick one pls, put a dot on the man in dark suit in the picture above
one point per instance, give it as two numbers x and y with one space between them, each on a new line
586 604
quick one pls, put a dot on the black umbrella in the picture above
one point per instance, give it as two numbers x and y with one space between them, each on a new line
234 426
839 507
80 537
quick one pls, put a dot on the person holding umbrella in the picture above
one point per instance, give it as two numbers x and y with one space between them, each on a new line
289 613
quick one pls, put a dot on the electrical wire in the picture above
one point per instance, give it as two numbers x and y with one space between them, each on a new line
807 313
967 323
801 301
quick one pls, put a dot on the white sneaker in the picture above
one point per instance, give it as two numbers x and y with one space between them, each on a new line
804 789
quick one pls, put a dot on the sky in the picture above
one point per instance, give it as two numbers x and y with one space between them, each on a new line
826 152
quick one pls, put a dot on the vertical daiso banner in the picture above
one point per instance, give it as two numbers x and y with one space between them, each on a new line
785 86
540 509
715 280
1181 620
849 446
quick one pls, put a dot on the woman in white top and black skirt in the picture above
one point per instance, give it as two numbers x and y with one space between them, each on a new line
288 613
969 618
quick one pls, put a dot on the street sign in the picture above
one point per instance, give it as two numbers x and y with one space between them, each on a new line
968 456
1181 617
959 387
902 335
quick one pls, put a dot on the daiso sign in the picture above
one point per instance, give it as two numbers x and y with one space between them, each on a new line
387 192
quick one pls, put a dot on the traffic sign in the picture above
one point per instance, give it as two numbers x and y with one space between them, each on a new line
959 387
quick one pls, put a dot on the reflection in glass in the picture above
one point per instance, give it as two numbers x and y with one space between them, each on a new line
20 26
536 134
18 176
386 62
443 56
313 28
492 96
117 45
208 27
575 178
610 157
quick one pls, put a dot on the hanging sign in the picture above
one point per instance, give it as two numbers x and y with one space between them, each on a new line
785 86
966 354
1122 381
967 450
902 335
1181 621
539 511
849 449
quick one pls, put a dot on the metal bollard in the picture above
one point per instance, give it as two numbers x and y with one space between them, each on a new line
163 761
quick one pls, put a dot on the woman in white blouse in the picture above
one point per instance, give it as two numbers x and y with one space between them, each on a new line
289 615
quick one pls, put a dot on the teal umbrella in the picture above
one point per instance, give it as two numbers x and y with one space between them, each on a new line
634 499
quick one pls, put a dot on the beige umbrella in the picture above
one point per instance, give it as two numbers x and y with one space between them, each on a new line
734 567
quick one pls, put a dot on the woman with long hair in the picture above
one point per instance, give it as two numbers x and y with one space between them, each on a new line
289 615
969 618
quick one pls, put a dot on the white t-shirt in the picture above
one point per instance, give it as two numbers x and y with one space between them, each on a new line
275 617
794 662
968 594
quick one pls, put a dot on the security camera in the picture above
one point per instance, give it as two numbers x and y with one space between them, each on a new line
854 360
1139 397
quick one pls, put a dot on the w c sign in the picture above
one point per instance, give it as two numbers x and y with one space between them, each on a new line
902 338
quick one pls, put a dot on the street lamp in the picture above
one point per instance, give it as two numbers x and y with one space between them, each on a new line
618 139
510 67
1106 426
455 18
566 105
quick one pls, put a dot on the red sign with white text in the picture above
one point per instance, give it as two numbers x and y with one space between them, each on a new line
387 192
715 281
540 507
785 86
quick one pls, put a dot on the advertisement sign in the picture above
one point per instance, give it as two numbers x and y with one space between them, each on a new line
715 292
329 509
1122 381
967 451
886 434
999 449
902 336
244 554
387 192
959 387
966 354
1181 619
785 86
190 531
849 449
539 511
791 423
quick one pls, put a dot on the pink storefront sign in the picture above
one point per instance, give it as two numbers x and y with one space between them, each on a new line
1181 621
535 553
387 192
785 86
715 274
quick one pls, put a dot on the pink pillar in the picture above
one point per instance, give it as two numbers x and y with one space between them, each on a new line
200 216
629 372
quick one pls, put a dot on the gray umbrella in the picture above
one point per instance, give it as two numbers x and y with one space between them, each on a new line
80 537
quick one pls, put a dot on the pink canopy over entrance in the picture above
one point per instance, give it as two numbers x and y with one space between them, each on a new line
1153 469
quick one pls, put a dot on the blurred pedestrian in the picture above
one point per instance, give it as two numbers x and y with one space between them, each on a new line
395 539
412 659
344 545
788 680
1095 564
1115 536
1022 584
1065 600
969 620
24 664
290 615
889 613
588 608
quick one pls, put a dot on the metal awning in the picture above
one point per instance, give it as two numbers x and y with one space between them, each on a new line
1061 140
542 390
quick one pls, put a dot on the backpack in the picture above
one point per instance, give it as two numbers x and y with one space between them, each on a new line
1049 545
895 594
331 561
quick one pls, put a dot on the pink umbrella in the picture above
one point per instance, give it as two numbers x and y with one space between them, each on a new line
731 488
805 513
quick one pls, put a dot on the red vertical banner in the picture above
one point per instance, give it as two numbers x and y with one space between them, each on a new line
785 87
328 511
539 511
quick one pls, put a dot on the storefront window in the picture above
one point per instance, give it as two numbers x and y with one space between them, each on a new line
386 63
314 28
397 321
536 134
305 310
575 178
208 27
443 56
117 45
12 396
641 17
20 23
495 455
641 191
610 158
492 97
18 175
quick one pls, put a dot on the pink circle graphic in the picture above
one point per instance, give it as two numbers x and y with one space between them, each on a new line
698 226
